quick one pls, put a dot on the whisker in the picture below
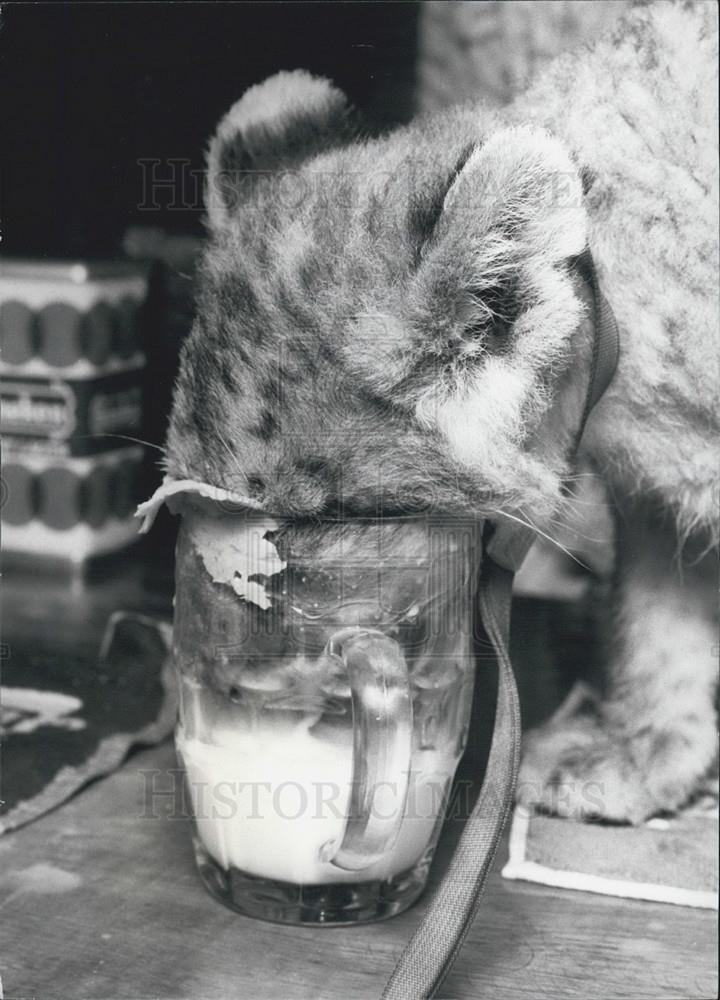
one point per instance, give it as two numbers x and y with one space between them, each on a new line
127 437
578 534
578 502
543 534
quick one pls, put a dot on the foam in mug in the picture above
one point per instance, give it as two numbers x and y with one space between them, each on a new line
326 678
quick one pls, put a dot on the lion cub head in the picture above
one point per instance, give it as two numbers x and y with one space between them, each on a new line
387 324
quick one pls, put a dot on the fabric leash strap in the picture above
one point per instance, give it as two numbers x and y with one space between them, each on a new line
606 342
430 953
442 931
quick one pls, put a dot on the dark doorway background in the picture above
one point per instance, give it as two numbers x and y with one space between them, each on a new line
93 89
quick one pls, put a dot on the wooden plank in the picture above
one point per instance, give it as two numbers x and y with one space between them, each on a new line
132 920
99 902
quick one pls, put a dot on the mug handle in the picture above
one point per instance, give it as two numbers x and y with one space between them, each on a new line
382 747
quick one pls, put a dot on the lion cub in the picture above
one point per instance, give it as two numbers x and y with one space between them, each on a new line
403 323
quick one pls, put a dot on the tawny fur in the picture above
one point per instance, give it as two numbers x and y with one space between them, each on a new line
401 323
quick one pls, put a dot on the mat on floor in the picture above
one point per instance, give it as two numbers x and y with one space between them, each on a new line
668 860
64 723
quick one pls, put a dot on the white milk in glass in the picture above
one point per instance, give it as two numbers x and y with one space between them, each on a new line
269 801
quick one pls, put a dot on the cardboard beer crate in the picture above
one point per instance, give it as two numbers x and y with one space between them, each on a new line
71 377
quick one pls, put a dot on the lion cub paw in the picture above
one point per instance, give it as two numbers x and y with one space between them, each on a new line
576 771
576 768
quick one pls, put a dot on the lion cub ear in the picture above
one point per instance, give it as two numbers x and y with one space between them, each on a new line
518 196
275 125
497 261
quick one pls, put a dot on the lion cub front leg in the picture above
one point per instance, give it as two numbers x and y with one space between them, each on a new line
644 747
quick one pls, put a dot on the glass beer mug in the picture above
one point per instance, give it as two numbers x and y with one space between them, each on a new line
326 673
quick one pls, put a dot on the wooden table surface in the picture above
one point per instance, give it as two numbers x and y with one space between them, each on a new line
100 900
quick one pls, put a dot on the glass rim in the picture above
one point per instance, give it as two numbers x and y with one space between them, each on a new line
176 493
232 507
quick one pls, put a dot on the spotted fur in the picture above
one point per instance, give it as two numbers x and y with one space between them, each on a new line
400 323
